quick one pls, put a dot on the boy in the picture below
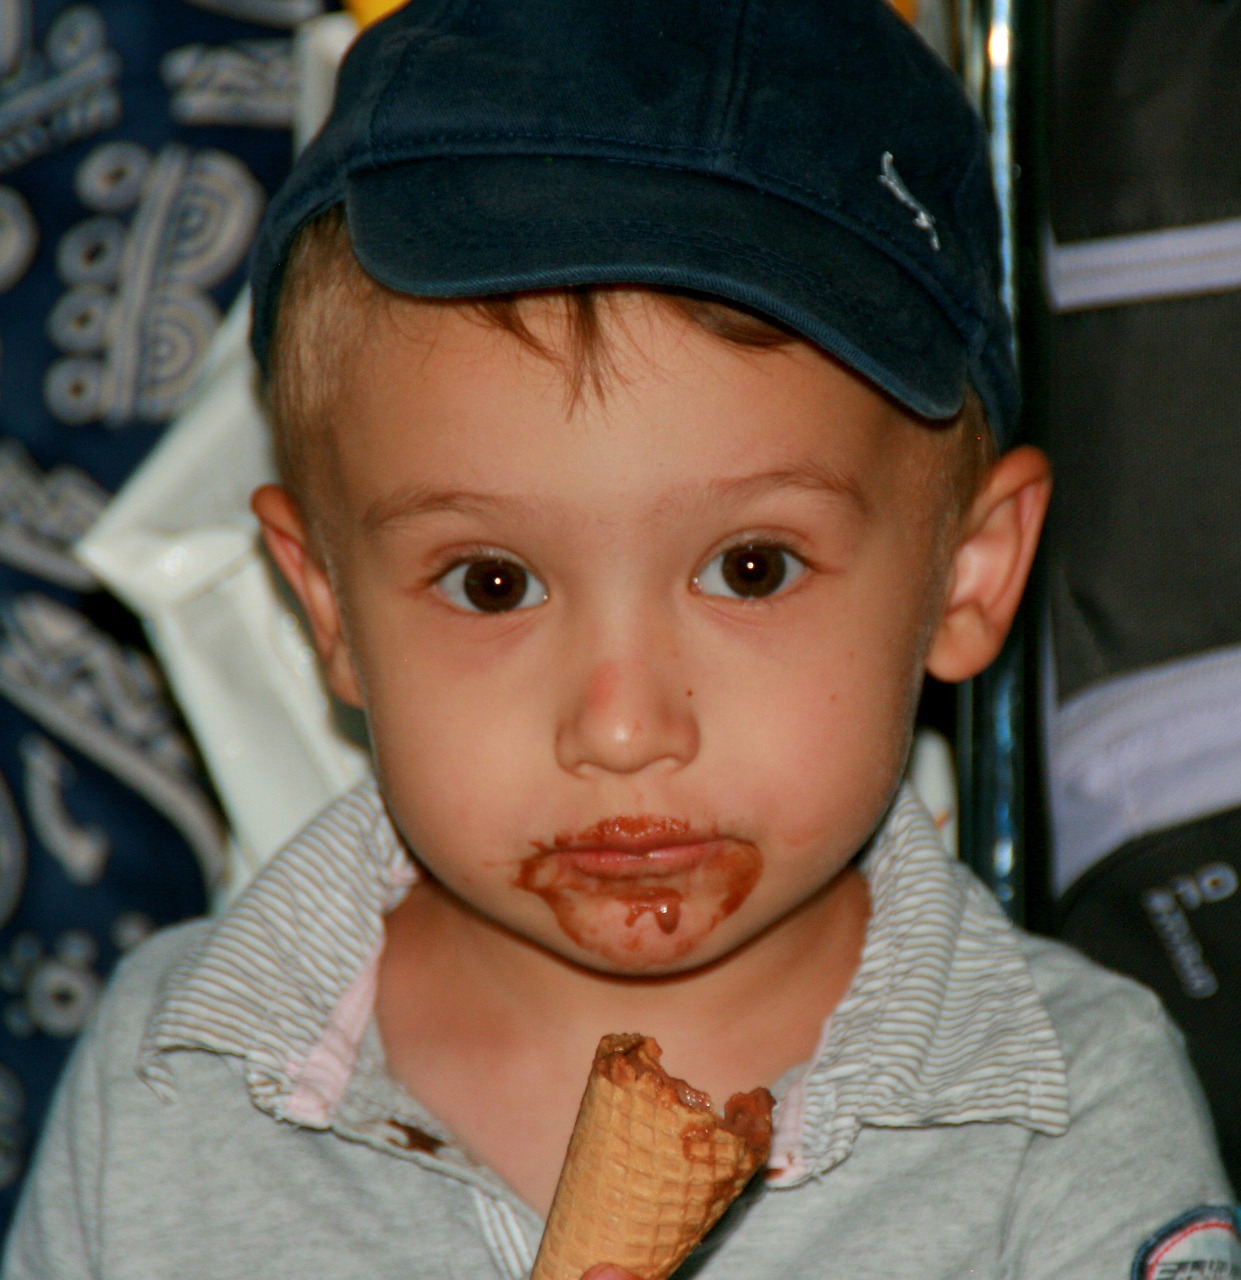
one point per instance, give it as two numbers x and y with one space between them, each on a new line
628 367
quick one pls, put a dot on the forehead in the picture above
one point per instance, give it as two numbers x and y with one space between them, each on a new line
445 392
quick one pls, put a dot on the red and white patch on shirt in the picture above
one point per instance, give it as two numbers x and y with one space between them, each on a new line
1200 1245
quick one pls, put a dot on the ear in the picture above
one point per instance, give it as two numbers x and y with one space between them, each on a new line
991 564
290 547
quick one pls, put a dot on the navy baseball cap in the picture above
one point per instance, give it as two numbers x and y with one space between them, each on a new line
813 160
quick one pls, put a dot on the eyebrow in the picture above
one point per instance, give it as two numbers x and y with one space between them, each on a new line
814 477
410 503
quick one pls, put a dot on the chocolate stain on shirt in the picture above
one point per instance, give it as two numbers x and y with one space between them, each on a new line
410 1138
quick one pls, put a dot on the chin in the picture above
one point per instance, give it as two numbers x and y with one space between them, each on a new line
627 957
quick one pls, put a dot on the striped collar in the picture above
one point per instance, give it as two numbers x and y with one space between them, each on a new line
285 981
941 1025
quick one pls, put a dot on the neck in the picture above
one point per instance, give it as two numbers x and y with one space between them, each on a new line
760 1008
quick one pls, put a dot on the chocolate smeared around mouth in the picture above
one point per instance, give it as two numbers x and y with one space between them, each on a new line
642 909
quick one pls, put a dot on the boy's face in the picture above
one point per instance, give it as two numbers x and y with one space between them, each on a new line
640 669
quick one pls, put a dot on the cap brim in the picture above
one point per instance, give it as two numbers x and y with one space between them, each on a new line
484 225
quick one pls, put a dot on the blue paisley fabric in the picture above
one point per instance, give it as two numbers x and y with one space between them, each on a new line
139 141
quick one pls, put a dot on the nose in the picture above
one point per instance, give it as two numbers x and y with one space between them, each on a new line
626 711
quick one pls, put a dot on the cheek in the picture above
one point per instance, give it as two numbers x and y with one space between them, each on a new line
455 755
818 752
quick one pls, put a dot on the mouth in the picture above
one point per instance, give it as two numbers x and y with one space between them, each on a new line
632 847
641 892
657 862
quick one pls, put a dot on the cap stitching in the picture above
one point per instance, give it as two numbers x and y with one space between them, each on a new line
986 337
514 135
407 44
742 61
990 344
978 154
374 147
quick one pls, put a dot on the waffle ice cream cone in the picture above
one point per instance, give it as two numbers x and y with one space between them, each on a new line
650 1168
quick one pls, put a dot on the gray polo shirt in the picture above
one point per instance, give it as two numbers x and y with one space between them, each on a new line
982 1103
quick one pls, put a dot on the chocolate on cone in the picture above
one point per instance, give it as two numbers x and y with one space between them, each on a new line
650 1167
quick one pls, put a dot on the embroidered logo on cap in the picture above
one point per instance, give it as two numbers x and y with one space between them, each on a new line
1200 1245
896 185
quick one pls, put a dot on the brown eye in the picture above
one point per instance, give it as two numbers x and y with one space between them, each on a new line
492 585
750 572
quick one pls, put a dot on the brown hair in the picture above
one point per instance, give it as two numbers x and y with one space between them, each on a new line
328 303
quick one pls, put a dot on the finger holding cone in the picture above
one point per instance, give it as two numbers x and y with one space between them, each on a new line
650 1168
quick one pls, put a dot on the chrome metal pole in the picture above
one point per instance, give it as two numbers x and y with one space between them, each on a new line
991 709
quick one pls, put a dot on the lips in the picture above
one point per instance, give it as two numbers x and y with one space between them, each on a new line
629 836
645 861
